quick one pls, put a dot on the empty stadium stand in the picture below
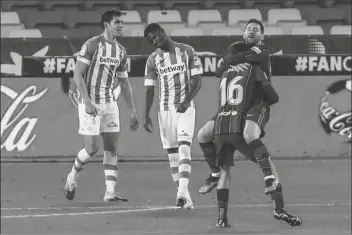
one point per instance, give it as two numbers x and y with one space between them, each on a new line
81 18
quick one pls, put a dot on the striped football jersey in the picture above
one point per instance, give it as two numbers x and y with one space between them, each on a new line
172 71
107 62
236 94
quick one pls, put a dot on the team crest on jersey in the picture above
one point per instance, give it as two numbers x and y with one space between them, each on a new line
172 69
109 60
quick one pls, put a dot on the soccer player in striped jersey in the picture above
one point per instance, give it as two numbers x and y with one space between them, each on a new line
101 67
177 70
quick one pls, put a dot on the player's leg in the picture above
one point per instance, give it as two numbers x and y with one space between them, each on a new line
185 123
253 131
225 160
169 142
206 141
110 132
89 129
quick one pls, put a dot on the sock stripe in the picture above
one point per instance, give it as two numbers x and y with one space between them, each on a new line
184 174
79 161
174 170
78 169
110 167
185 161
110 178
184 142
172 150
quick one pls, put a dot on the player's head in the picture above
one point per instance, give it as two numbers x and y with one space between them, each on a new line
156 35
112 22
254 32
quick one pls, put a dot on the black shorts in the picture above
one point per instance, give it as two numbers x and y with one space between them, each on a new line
226 145
259 113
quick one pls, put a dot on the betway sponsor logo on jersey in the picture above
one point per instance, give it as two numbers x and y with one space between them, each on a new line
172 69
109 60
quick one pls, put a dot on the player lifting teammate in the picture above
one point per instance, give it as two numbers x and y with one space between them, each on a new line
101 67
177 69
255 121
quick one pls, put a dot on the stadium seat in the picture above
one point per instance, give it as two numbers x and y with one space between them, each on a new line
286 26
131 17
10 18
242 16
143 7
207 27
15 5
25 33
6 29
228 31
136 32
288 14
163 16
196 16
103 5
45 19
184 6
187 32
264 6
225 6
341 30
307 30
168 27
273 30
83 18
69 33
64 5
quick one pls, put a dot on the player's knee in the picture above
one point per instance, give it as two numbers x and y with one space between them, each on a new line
205 134
251 133
110 158
184 151
92 150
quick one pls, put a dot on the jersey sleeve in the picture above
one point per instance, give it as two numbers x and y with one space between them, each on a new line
86 53
255 54
150 74
121 71
259 75
194 63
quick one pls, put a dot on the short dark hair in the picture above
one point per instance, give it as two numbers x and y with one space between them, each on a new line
108 15
152 27
257 22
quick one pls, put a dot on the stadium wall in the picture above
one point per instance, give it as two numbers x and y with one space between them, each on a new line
40 120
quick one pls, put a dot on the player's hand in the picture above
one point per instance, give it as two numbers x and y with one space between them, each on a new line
183 107
134 123
148 125
90 108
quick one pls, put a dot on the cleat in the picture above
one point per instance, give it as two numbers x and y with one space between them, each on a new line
222 223
113 197
210 183
270 186
70 187
189 204
281 214
181 202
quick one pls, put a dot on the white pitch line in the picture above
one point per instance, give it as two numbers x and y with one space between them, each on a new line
73 207
158 209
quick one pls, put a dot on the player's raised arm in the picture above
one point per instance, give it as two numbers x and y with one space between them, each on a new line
127 92
83 61
196 70
149 83
272 95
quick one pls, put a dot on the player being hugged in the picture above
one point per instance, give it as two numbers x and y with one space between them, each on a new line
101 67
237 88
177 70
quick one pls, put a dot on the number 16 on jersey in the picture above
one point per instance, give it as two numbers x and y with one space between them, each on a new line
231 92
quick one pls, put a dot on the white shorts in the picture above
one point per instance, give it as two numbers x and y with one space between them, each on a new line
107 119
176 127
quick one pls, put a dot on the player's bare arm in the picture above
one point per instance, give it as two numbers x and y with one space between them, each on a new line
196 84
127 92
149 99
272 95
80 70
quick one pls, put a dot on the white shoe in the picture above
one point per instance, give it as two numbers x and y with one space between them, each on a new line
189 204
70 187
113 197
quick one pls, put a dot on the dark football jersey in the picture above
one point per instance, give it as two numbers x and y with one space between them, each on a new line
236 93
